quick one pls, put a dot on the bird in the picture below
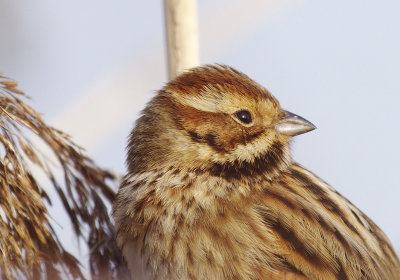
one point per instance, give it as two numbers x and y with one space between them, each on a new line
212 192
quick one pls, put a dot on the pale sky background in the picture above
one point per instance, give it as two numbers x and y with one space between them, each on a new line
90 66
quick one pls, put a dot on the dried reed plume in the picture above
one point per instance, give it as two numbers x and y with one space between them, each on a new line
29 248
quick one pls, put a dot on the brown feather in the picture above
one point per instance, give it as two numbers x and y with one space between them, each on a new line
207 197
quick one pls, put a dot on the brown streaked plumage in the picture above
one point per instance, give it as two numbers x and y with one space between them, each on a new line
213 193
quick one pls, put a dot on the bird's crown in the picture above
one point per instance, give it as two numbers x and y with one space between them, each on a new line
215 118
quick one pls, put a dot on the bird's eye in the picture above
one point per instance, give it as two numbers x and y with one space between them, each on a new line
243 116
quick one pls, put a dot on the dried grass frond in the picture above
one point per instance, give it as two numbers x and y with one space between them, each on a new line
29 247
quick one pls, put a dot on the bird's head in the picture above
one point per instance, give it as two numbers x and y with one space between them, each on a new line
217 119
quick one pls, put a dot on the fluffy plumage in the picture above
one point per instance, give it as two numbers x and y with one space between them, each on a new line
210 195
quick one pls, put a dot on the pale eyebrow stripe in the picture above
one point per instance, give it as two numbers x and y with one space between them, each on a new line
206 101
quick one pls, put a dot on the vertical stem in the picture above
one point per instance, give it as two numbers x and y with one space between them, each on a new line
182 35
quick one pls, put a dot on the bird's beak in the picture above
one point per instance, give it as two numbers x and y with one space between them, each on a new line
292 125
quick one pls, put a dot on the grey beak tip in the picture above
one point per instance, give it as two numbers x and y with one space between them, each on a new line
293 125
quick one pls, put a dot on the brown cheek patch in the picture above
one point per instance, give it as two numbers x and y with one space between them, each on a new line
217 130
232 135
193 118
251 136
210 139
